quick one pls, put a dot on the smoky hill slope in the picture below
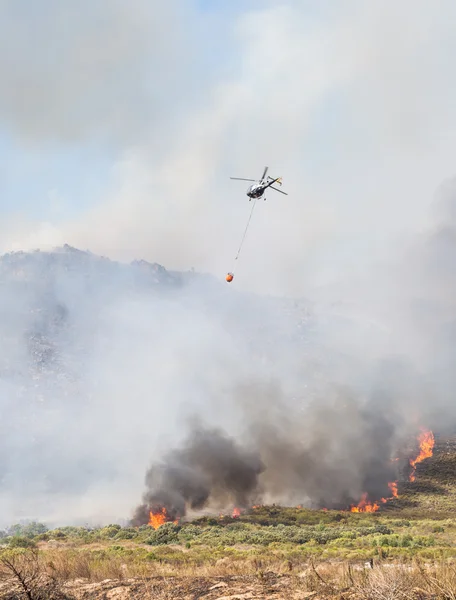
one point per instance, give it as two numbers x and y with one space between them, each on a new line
127 385
101 361
45 294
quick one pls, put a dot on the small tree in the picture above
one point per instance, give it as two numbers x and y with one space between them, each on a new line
26 576
29 530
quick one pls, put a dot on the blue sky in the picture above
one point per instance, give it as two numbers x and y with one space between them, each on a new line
34 176
35 173
37 170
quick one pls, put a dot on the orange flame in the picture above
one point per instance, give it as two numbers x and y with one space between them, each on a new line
365 506
157 519
426 440
393 487
235 513
369 507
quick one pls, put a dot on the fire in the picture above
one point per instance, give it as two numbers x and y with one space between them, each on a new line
364 506
236 512
393 487
426 440
157 519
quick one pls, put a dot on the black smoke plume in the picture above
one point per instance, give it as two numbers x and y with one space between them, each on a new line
340 448
210 467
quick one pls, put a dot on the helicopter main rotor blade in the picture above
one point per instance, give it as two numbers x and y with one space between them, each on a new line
264 173
242 179
273 188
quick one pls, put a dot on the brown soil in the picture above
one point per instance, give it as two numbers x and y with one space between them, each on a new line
235 588
268 585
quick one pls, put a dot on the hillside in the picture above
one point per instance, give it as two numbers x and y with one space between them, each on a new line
426 505
434 492
101 360
43 289
79 333
265 552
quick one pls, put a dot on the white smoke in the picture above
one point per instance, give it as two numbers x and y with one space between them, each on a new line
352 105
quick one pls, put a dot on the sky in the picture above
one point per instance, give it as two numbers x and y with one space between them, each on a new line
120 126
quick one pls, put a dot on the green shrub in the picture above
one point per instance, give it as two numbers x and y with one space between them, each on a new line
126 534
109 531
166 534
29 530
57 534
19 541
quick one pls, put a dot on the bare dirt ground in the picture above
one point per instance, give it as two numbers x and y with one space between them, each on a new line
270 585
27 579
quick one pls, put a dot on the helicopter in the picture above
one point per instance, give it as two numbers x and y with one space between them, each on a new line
258 188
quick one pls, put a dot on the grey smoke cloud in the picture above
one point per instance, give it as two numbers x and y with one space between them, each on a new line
358 120
361 129
335 435
91 71
355 111
101 371
327 454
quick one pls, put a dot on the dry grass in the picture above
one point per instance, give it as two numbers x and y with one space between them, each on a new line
385 581
265 553
71 574
80 564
